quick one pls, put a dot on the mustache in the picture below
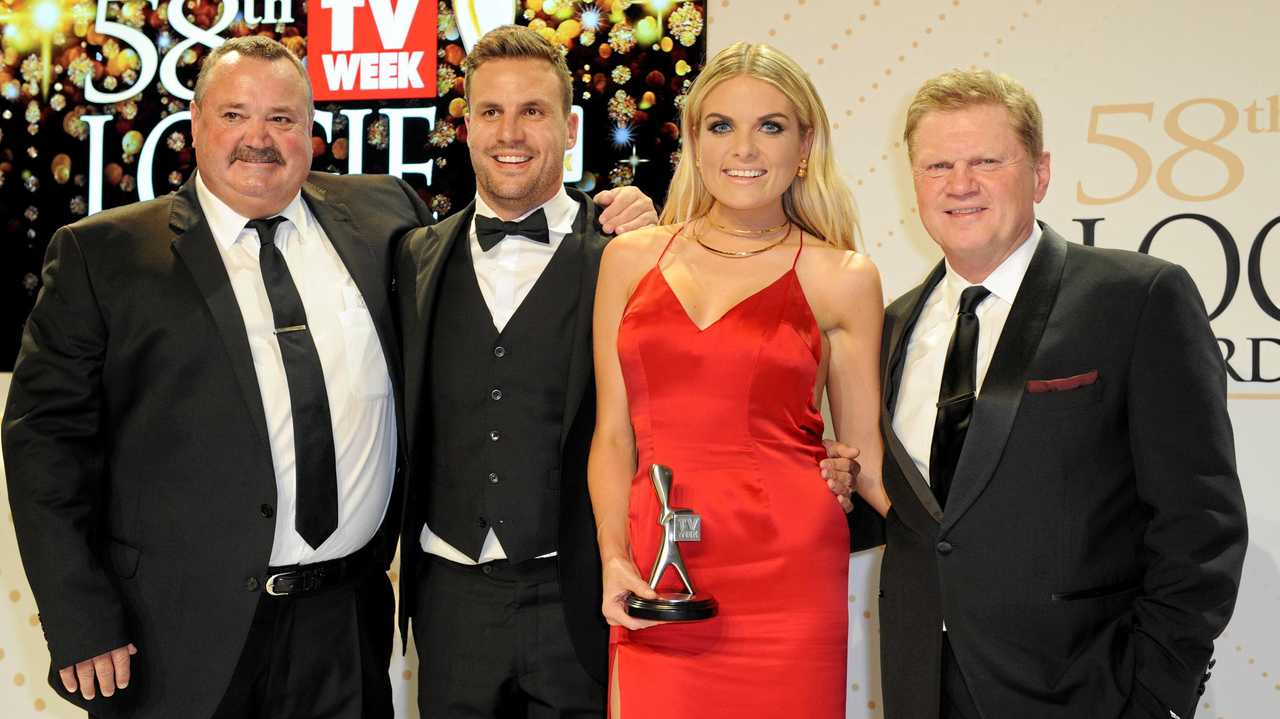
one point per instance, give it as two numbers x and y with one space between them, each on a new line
257 154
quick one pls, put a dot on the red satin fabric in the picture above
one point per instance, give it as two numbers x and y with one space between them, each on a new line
730 409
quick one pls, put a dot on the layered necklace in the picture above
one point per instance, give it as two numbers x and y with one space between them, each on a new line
744 232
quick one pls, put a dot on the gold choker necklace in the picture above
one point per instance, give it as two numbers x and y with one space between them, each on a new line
747 232
739 254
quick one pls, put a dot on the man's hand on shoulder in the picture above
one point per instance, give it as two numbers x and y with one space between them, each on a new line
111 669
625 209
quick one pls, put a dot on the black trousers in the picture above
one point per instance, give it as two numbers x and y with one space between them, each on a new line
957 701
317 656
492 642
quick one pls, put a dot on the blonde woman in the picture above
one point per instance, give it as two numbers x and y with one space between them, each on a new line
716 335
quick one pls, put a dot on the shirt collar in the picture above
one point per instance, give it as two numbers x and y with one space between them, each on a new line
1003 282
561 211
227 225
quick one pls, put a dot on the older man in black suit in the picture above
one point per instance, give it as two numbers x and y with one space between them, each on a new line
200 439
1067 529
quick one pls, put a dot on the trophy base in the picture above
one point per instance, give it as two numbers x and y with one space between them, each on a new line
672 607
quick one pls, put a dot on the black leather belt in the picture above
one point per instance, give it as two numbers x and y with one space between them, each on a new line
301 579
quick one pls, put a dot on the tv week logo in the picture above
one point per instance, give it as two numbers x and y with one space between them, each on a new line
372 49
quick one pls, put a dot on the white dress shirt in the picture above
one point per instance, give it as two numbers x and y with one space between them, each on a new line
355 374
506 274
916 411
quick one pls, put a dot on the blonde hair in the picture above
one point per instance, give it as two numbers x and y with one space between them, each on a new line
517 42
963 89
819 203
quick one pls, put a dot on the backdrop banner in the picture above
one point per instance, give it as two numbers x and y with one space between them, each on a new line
94 93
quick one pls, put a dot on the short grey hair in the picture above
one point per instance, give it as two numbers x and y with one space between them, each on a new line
260 47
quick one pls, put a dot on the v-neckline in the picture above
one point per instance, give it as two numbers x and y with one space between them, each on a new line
684 308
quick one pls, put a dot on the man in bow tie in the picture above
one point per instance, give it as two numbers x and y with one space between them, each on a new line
1067 529
499 567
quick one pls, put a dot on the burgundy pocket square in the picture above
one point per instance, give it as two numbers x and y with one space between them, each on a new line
1063 384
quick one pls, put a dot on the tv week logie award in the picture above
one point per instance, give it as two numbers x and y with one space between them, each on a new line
678 525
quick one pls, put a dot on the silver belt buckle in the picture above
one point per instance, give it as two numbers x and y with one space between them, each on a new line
270 585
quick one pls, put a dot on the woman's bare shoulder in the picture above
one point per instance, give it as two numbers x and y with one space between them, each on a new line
842 271
634 246
629 255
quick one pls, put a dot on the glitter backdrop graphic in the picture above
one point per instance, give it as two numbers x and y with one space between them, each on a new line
93 100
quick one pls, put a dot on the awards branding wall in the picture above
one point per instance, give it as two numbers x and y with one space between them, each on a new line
94 93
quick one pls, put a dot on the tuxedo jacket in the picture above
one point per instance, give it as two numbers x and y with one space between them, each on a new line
1092 542
420 264
136 447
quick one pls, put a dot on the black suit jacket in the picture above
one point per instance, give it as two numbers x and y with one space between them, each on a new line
135 443
421 258
1093 539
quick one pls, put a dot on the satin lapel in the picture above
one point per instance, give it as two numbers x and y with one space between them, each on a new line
194 245
580 362
1002 390
891 376
429 258
339 223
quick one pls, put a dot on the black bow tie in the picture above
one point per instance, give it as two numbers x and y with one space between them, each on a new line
490 230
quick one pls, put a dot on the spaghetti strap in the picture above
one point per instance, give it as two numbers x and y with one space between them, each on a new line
674 235
798 249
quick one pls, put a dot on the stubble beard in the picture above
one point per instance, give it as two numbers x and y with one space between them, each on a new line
525 194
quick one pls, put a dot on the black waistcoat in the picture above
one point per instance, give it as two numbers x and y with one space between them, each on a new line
498 403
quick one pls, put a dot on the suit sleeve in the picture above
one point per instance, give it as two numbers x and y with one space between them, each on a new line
1184 463
866 526
54 452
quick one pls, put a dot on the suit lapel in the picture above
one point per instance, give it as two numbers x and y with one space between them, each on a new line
194 245
894 354
429 259
1002 390
580 362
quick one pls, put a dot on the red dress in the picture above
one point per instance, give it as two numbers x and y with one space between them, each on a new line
730 409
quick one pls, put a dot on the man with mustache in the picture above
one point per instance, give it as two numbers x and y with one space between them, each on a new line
1068 529
202 432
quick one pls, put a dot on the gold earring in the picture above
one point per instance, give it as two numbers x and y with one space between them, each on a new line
803 169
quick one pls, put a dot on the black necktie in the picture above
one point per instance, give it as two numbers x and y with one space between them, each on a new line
317 476
955 396
490 230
